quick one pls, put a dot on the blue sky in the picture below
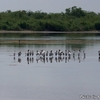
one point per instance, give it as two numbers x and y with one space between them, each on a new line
49 5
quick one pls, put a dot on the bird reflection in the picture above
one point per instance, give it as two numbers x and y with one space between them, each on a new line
65 59
14 58
99 59
37 60
56 59
19 60
69 58
42 59
46 59
50 59
30 60
74 58
79 59
60 59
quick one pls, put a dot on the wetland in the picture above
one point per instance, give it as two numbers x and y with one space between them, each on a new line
49 78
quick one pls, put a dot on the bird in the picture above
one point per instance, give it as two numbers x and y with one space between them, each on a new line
37 53
84 54
14 54
51 53
65 52
32 53
19 54
79 51
42 53
60 53
28 53
73 53
69 53
56 53
99 53
47 53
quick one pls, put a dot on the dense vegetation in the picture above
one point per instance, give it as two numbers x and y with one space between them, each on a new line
73 19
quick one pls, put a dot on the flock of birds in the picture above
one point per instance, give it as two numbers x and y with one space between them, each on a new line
45 56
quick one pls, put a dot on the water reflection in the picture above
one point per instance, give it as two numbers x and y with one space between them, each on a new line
50 56
30 60
19 60
48 75
51 60
99 59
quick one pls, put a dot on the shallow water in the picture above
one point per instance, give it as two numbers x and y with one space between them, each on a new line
50 79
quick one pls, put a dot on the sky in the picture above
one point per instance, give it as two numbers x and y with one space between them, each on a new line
49 6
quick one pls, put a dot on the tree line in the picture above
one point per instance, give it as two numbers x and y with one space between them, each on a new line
73 19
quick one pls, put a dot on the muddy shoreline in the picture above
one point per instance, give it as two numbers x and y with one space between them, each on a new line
47 41
26 32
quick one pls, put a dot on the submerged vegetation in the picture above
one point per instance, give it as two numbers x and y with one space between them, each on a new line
73 19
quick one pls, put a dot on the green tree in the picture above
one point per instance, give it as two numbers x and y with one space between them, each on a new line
97 26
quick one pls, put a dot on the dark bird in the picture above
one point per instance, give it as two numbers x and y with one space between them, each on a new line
99 53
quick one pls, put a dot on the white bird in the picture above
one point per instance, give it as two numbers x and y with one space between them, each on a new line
69 53
42 53
51 54
38 53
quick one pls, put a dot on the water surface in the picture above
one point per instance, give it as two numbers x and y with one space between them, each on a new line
56 79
